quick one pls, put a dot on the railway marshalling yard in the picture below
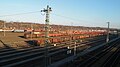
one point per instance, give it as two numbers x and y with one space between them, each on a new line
91 52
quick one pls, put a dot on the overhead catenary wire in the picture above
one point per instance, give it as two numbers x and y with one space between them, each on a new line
76 20
70 18
20 13
66 17
62 16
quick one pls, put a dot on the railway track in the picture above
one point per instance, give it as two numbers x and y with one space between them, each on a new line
27 56
89 62
36 47
112 60
12 50
107 56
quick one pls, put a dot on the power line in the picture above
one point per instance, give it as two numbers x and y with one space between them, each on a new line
70 18
19 14
76 20
40 11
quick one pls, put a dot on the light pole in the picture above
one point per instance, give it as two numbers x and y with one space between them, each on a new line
107 39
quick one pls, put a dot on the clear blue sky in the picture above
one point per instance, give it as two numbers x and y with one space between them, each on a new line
80 12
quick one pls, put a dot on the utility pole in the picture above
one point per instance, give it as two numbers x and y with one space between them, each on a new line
47 11
4 27
31 30
117 33
75 47
71 33
107 39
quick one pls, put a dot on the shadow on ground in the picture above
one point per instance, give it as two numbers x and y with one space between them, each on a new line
21 36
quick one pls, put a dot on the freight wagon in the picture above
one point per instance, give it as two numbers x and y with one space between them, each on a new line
58 38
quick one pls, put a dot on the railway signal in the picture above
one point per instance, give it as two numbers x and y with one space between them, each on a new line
69 50
47 27
75 49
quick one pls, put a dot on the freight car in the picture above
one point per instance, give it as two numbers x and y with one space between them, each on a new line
58 38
